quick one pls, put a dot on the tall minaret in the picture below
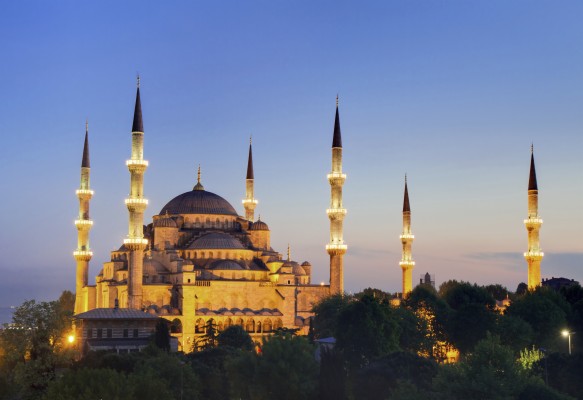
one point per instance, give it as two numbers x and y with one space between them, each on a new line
534 255
136 204
83 254
336 248
249 202
407 264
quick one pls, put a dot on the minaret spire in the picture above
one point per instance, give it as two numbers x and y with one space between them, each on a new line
336 213
136 204
249 202
83 253
407 264
534 255
198 185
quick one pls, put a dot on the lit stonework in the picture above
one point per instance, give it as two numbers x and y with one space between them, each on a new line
198 260
136 204
83 253
407 264
534 255
336 213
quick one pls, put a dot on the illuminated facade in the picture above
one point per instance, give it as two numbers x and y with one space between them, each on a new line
407 264
199 260
336 213
534 255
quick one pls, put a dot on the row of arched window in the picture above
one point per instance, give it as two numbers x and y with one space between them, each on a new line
208 223
250 325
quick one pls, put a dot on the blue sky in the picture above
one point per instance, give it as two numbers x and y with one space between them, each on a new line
450 92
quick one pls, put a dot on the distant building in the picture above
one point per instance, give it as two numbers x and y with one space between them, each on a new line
427 279
558 283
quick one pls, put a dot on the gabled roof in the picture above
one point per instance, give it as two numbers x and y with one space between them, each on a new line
115 313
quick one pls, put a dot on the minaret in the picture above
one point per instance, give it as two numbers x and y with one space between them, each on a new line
136 204
249 202
534 255
83 254
407 264
336 213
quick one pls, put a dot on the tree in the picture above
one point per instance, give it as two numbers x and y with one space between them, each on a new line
490 372
497 291
384 375
367 329
332 375
209 338
470 324
459 294
235 336
286 369
326 314
162 335
546 311
514 332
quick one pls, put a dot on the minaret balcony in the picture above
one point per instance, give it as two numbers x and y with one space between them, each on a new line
83 223
83 255
250 201
407 236
135 243
136 201
407 263
84 192
336 211
142 163
336 246
534 254
336 178
533 221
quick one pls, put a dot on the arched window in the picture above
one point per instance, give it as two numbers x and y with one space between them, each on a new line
220 326
210 254
207 223
267 326
259 327
199 326
278 324
228 323
176 326
250 326
240 322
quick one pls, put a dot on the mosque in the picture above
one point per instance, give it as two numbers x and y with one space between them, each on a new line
198 259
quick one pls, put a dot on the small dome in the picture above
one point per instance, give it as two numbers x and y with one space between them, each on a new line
258 226
165 222
216 241
306 264
297 270
226 265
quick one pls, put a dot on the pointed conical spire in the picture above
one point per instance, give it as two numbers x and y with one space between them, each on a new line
337 140
532 178
406 206
85 161
250 162
138 125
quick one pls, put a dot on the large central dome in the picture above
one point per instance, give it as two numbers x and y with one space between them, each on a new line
199 201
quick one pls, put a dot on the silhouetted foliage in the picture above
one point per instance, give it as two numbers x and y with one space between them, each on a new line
235 336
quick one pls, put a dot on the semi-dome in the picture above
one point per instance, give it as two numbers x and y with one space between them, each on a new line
298 270
258 226
165 222
199 202
226 265
216 241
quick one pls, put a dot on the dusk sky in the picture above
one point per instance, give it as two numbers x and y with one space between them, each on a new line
450 92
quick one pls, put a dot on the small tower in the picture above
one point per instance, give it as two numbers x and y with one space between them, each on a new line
534 255
136 204
407 264
249 202
83 254
336 213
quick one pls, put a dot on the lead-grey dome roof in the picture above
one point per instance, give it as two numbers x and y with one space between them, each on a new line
216 241
199 202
